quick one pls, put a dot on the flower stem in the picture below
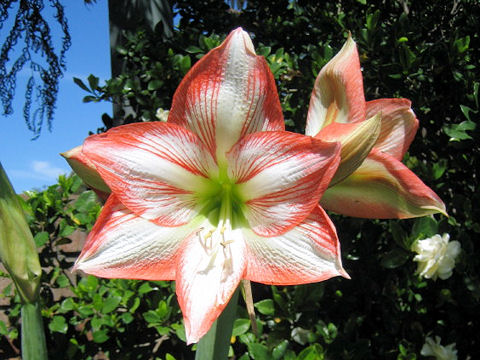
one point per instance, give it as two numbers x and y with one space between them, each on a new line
215 344
33 337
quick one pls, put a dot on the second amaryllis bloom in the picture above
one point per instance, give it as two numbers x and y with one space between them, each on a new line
371 181
217 194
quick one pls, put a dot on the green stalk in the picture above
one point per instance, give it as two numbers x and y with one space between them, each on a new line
34 346
215 343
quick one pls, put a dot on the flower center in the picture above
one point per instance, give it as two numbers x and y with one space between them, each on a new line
222 203
222 208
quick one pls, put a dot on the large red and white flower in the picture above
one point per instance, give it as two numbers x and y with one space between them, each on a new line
217 194
371 181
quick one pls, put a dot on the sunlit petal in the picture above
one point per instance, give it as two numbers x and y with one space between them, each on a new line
155 169
209 270
229 93
124 245
310 252
281 177
338 91
399 125
357 140
382 188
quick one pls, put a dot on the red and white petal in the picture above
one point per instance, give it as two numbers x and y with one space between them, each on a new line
310 252
382 188
229 93
337 95
155 169
280 177
124 245
399 125
208 272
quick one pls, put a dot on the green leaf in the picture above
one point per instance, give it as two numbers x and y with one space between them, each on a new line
329 332
81 84
424 227
62 281
279 350
458 132
240 326
67 305
152 317
185 64
135 305
259 351
111 304
41 238
466 111
462 44
265 307
180 332
313 352
126 318
85 310
58 324
89 98
154 84
439 168
100 336
3 328
65 230
145 288
162 330
193 49
86 201
93 81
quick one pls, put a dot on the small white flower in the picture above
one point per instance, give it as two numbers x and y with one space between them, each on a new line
433 348
162 114
436 256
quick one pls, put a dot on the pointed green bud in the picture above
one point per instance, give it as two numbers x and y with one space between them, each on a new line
17 247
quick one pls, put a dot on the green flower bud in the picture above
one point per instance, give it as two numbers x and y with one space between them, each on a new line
18 252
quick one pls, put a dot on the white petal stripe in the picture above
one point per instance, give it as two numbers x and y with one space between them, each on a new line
280 176
155 169
308 253
208 272
229 93
123 245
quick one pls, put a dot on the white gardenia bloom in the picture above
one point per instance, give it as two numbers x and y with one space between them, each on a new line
433 348
162 114
436 256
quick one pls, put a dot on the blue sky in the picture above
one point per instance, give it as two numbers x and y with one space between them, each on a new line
35 164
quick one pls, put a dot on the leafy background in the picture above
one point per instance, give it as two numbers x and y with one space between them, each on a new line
427 51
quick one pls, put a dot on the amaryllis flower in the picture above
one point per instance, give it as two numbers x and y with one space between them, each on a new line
371 181
217 194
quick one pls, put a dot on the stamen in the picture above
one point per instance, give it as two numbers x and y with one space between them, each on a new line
225 243
210 263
